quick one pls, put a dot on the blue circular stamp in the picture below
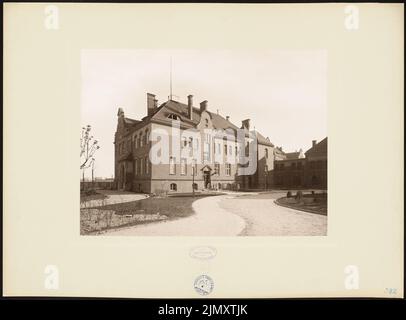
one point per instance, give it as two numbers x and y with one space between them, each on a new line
204 285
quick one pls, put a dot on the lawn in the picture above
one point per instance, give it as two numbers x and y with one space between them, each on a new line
99 219
315 203
91 195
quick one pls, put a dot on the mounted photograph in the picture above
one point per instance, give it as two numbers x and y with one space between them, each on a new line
203 143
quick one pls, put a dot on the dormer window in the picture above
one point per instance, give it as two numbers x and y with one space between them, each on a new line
173 116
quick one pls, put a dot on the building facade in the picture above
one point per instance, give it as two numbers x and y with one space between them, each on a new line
204 152
298 170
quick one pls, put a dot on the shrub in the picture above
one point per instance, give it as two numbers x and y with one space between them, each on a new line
161 192
289 194
299 195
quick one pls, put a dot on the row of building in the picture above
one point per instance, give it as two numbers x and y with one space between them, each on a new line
207 160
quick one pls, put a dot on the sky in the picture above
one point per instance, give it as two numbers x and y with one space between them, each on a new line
283 92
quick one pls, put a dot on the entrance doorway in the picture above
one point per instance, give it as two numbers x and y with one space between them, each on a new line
207 180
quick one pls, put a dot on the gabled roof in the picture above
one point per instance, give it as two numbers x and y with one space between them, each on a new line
262 140
182 110
178 108
131 121
292 155
320 149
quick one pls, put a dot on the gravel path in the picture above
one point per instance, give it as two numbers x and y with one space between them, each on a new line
230 215
209 220
265 218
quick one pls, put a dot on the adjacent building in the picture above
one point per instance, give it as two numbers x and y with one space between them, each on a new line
298 170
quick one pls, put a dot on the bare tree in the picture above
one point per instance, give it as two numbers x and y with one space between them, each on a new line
88 147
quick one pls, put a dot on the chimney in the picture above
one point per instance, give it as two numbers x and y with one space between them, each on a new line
190 106
151 104
314 142
228 118
120 112
246 124
203 106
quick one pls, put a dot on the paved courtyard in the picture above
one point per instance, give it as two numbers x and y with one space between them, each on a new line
235 214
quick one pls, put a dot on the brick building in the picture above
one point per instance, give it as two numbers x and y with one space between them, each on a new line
133 143
298 170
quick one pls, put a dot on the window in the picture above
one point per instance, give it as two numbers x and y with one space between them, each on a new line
206 151
184 142
173 116
194 186
172 166
141 166
225 149
266 153
146 137
219 148
236 151
230 149
190 143
136 166
228 169
146 165
173 187
183 166
135 142
266 168
140 140
217 168
206 123
197 144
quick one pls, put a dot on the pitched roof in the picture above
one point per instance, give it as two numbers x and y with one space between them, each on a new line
262 140
182 110
131 121
320 149
292 155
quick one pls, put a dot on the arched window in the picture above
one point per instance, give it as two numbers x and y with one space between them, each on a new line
146 137
173 187
146 165
172 166
141 166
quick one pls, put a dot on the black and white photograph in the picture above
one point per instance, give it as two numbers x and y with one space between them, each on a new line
203 150
204 143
